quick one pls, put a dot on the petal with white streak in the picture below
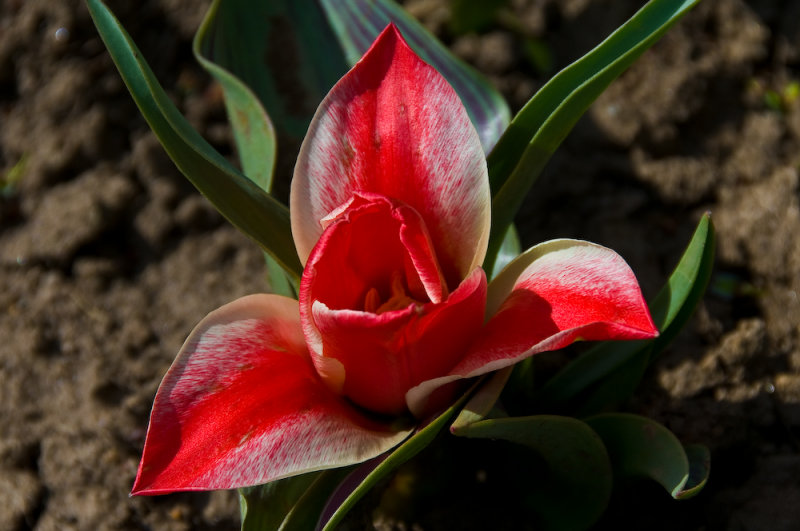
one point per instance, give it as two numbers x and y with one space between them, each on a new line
243 405
554 294
393 126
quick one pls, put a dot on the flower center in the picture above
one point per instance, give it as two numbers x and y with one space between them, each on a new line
398 297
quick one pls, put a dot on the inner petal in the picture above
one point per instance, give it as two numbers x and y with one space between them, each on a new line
398 297
377 258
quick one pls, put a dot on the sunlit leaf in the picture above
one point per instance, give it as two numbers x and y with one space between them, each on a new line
283 53
357 23
640 447
252 128
540 127
483 400
509 250
671 308
241 201
575 485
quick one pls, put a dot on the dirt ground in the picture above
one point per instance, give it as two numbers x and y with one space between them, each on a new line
108 257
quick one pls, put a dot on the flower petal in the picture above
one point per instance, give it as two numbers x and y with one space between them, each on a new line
376 316
393 126
556 293
242 405
385 355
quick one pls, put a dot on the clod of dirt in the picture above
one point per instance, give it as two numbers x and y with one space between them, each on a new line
68 217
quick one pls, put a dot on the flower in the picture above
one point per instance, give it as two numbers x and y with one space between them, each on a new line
390 210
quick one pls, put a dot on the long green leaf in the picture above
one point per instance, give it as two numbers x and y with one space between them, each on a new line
252 127
540 127
264 507
282 51
671 308
575 487
232 44
292 504
400 455
358 22
640 447
243 203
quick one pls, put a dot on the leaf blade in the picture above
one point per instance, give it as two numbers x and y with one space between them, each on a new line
640 447
254 212
539 128
577 472
670 309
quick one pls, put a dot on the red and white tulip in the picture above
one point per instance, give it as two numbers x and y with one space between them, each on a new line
390 209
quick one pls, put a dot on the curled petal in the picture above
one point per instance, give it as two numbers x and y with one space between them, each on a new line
374 309
243 405
385 355
556 293
393 126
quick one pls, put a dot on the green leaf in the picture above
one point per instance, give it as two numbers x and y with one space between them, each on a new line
575 486
291 504
243 203
540 127
671 308
699 469
411 447
483 401
509 250
281 53
252 128
357 23
469 16
642 448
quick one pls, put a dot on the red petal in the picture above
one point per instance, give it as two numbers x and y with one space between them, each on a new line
372 357
393 126
554 294
242 405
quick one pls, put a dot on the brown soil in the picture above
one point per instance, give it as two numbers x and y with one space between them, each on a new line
108 257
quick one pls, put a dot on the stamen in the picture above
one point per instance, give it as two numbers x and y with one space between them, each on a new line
398 299
372 301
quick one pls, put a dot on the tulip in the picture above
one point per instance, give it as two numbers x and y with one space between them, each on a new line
390 211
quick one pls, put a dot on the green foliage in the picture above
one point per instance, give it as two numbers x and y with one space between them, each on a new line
606 373
291 504
576 481
242 202
468 16
642 448
11 178
539 128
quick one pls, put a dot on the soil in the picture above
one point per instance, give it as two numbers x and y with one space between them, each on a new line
108 257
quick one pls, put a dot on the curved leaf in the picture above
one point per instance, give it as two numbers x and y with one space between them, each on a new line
509 250
252 128
280 52
540 127
671 308
245 205
411 447
699 468
291 504
640 447
357 23
576 486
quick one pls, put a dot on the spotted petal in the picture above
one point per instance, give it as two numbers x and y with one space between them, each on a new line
554 294
242 405
393 126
